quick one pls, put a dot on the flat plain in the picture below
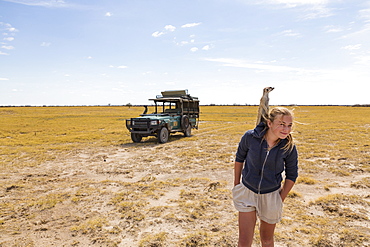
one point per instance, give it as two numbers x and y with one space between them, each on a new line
71 176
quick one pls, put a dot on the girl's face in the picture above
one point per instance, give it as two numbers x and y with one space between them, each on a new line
281 126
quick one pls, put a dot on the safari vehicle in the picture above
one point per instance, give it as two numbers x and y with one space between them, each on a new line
175 111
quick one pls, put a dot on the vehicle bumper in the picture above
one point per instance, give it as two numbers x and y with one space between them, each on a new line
144 128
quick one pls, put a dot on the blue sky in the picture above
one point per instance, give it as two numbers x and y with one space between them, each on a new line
93 52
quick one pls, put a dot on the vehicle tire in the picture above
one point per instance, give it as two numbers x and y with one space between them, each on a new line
163 135
136 137
185 123
187 132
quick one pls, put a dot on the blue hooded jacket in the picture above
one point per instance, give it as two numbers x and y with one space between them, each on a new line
262 172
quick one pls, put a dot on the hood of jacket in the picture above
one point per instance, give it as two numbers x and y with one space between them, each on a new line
260 130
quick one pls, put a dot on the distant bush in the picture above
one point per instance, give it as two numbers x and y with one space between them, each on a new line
358 105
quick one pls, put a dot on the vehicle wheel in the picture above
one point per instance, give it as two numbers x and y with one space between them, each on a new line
163 135
136 137
187 132
185 122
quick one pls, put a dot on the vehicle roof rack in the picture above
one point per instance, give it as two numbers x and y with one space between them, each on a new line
174 93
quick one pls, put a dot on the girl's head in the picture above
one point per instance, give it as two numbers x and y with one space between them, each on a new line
279 111
280 122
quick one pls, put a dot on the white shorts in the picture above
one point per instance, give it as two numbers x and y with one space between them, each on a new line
268 206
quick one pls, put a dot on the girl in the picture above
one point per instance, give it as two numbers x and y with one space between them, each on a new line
263 154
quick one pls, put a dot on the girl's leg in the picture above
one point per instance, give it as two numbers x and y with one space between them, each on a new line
267 234
247 222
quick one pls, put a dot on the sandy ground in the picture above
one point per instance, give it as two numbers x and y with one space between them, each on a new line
83 199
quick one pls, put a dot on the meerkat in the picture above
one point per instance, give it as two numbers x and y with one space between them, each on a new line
263 109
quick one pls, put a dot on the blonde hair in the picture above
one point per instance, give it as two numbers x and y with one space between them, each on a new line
278 111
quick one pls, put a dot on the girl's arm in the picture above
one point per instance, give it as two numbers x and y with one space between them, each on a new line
238 167
288 185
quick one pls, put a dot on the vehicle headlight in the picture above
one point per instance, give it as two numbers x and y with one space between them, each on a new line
154 122
128 122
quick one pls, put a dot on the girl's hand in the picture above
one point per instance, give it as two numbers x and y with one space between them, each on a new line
288 185
282 195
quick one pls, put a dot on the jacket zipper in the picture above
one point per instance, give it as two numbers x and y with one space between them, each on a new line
263 168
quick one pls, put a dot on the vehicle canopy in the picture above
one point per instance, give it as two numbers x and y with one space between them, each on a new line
177 101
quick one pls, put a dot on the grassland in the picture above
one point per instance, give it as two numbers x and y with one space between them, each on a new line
70 176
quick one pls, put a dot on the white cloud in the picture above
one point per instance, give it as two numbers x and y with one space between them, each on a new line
317 11
230 62
363 60
351 47
359 34
191 25
7 31
9 38
45 44
182 43
157 34
4 79
311 9
8 27
12 29
290 33
8 47
206 48
167 28
118 67
42 3
365 14
194 49
108 14
170 28
295 3
332 29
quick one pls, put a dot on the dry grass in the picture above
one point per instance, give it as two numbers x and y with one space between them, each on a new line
70 176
